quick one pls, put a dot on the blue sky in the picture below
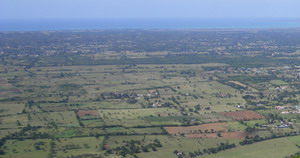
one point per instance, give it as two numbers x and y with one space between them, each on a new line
136 9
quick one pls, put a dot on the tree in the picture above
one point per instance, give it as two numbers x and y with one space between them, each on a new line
250 129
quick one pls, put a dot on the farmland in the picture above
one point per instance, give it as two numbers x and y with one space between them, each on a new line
100 101
269 147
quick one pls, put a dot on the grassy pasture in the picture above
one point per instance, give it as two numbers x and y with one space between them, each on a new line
27 148
275 148
141 117
6 132
64 132
211 117
169 144
194 96
66 147
278 82
14 121
124 130
11 108
67 118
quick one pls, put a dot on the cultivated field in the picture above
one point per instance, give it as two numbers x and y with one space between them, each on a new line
58 110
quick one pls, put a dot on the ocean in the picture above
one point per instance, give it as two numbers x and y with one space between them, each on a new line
44 25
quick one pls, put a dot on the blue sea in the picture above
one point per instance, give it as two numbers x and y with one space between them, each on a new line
41 25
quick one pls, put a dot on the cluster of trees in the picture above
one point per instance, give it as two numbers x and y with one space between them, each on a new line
2 141
189 73
133 147
13 135
297 155
174 100
87 156
250 129
36 135
273 117
112 95
130 97
167 104
250 140
222 146
40 145
256 138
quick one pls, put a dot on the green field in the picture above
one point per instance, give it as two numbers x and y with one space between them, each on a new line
27 148
276 148
66 147
115 110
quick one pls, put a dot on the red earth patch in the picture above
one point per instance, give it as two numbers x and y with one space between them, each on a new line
82 113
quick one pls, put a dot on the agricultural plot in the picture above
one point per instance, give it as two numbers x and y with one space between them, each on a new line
11 108
212 94
254 123
230 130
67 118
134 131
142 117
223 135
7 90
213 127
157 110
27 148
87 114
243 115
212 117
168 144
65 132
207 128
14 121
7 132
67 147
275 148
93 123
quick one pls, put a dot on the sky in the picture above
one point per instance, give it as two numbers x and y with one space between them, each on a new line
147 9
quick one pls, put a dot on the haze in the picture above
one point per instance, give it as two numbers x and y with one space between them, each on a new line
135 9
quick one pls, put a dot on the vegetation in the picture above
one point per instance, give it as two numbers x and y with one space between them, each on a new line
147 93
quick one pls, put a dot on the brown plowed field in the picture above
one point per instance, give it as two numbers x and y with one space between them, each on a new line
243 115
82 113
